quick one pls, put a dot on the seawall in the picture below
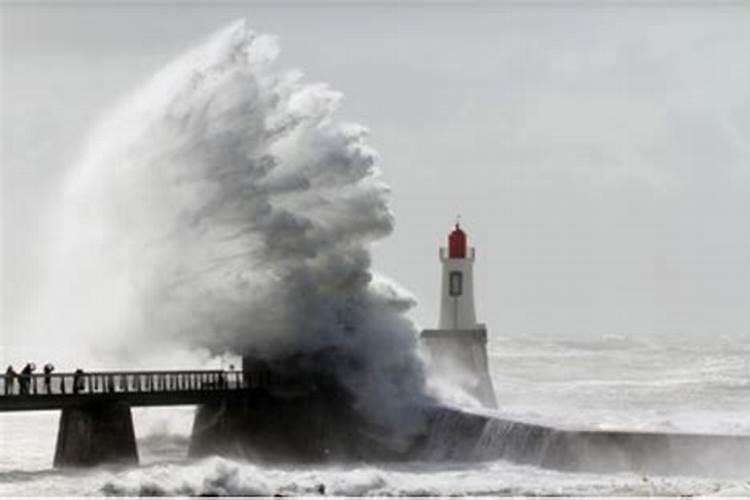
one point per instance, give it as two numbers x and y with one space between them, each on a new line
318 424
459 435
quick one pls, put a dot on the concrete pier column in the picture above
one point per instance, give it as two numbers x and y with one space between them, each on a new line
94 434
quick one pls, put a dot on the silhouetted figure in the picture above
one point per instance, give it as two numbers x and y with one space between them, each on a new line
24 380
10 379
77 381
48 369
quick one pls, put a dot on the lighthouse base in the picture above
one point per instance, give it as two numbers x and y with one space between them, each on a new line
459 357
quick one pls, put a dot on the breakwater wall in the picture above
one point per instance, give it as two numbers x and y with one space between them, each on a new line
318 423
459 435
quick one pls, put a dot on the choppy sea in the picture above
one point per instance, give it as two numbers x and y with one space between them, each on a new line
686 385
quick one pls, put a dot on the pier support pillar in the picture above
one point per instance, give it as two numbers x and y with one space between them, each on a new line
94 434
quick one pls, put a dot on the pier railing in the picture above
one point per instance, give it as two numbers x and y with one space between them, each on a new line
62 384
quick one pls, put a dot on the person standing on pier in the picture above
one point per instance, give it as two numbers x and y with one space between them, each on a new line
24 380
10 378
48 369
78 382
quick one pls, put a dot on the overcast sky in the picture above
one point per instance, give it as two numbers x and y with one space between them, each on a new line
599 155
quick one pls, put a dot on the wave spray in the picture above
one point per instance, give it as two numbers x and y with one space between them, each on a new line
221 207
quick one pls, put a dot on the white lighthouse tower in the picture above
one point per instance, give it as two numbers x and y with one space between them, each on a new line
457 349
457 296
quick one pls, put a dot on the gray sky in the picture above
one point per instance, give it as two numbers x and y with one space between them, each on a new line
599 155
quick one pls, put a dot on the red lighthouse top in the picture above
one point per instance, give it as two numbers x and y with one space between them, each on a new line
457 244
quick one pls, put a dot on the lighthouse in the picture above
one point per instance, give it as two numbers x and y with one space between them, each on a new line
457 295
457 350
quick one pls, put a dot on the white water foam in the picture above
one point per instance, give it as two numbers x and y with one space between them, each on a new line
217 476
221 208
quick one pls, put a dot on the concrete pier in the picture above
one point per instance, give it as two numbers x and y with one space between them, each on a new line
95 434
297 410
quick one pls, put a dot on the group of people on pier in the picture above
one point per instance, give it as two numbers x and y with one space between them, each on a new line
26 382
24 378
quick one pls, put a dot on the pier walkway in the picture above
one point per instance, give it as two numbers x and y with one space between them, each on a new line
134 388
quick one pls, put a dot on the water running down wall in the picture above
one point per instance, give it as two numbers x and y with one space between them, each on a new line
457 435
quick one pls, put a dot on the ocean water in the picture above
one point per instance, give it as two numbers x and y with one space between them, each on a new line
612 383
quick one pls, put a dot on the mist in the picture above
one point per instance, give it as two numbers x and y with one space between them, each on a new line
220 208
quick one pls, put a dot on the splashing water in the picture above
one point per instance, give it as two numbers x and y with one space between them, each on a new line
221 207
